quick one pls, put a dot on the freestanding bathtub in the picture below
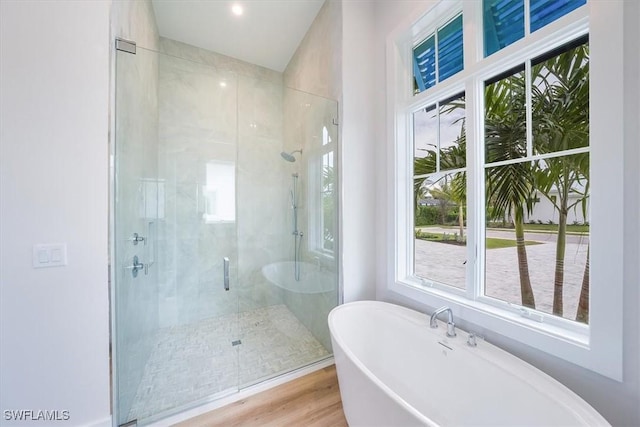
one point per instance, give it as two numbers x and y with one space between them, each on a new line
393 370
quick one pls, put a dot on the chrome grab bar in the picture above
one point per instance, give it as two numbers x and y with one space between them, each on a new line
225 263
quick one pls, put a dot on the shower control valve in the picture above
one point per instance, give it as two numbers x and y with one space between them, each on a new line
137 266
137 238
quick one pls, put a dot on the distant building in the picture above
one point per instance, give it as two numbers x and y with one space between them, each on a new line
544 210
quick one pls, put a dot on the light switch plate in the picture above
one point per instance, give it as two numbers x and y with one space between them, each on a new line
49 255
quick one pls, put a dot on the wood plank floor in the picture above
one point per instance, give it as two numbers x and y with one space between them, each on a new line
312 400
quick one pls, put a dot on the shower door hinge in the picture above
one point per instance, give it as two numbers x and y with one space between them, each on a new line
126 46
335 122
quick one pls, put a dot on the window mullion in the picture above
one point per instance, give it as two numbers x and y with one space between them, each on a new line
527 17
528 107
436 56
474 167
438 137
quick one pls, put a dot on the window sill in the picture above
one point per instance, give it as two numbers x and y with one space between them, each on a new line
479 317
467 310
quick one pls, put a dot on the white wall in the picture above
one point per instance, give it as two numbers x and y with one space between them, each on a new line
618 402
358 159
54 323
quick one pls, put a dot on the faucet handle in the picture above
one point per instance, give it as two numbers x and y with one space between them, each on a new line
451 329
471 340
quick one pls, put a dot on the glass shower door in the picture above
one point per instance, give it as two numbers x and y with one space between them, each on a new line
174 234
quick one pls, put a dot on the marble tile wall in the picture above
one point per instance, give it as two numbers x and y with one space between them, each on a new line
218 61
316 66
260 193
197 126
217 109
135 21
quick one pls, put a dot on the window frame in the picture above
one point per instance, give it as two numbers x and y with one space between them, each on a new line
598 346
315 183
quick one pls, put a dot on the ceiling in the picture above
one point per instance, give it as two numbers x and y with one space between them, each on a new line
267 33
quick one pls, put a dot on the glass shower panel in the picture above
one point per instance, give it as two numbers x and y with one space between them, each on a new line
175 169
136 213
287 229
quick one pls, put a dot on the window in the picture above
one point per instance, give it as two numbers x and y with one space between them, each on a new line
322 187
433 64
502 175
439 169
547 268
504 20
220 192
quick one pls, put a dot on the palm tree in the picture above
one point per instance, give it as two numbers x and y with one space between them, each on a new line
582 315
509 187
561 122
453 157
443 195
422 166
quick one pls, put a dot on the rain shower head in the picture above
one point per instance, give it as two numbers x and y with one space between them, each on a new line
289 157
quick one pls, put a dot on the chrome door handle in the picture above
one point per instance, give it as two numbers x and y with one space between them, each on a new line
225 262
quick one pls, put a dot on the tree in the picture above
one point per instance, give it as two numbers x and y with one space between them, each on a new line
560 98
582 315
443 196
453 157
510 188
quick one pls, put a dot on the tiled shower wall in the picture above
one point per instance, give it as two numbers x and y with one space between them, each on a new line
214 109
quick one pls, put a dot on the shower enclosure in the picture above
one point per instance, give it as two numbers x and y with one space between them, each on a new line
203 254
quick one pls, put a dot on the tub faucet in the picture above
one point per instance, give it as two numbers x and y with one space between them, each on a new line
451 327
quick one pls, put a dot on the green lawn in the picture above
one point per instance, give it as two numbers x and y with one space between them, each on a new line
571 229
491 243
554 227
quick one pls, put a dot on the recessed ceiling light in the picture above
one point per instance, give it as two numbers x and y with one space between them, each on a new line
237 9
223 84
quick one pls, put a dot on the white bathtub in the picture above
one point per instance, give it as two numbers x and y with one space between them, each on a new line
393 370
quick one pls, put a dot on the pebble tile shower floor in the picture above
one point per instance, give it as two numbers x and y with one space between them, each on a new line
194 361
